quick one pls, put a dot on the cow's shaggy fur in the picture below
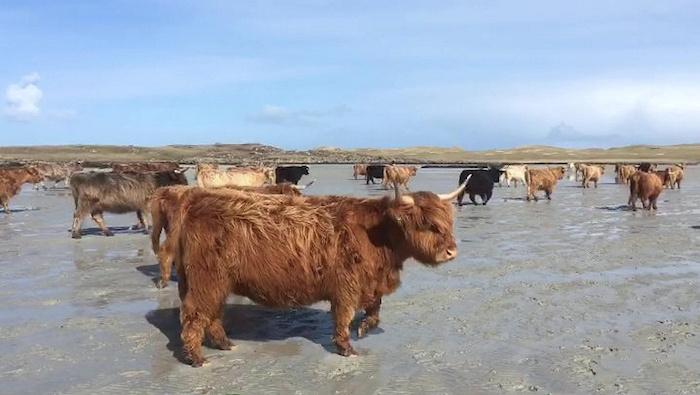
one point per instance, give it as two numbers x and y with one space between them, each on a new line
165 206
212 177
98 192
543 180
144 167
646 187
398 176
11 181
359 169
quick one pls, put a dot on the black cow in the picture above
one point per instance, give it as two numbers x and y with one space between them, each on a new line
374 171
480 184
290 174
646 167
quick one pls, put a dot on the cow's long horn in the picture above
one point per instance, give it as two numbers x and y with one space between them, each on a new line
453 194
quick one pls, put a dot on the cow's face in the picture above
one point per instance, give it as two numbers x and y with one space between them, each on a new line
560 172
305 170
495 174
425 227
175 177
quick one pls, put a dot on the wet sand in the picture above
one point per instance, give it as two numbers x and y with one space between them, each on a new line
576 295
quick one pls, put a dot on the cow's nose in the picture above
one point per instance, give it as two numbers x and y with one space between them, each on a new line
451 253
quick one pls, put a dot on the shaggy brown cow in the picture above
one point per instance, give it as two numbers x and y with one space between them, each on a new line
97 192
624 172
11 181
165 203
646 187
398 176
591 173
209 177
287 251
675 175
543 180
359 169
144 167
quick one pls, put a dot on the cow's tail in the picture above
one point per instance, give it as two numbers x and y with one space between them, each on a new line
72 182
157 222
167 252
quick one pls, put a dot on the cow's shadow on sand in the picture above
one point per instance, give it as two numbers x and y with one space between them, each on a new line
697 227
117 230
260 324
153 271
19 210
622 207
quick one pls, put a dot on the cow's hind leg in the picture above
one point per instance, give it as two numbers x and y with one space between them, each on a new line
143 220
217 334
371 319
486 197
193 325
203 294
81 211
100 221
141 224
5 205
472 197
343 313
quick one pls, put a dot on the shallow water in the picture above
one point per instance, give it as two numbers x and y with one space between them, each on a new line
576 295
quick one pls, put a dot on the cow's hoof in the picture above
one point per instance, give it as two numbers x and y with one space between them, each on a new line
225 345
347 352
198 363
76 236
161 284
362 329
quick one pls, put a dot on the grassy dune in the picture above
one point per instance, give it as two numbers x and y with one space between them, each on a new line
257 153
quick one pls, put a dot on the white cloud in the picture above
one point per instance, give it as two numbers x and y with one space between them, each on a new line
22 99
601 111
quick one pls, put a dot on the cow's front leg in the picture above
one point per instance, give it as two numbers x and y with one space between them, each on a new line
343 313
371 319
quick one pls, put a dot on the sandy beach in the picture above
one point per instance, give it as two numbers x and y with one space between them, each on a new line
576 295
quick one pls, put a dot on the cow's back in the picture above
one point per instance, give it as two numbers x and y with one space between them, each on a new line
295 267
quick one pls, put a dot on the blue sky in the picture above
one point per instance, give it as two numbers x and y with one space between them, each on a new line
301 74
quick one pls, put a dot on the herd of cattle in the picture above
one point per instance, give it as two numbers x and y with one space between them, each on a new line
251 232
643 186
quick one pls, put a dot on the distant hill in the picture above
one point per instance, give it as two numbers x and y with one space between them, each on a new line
258 153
